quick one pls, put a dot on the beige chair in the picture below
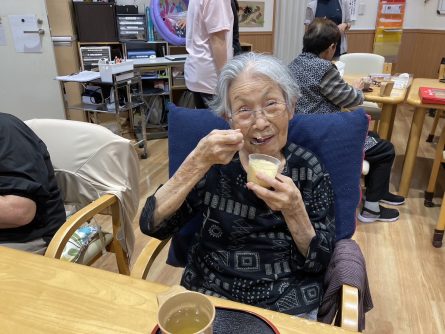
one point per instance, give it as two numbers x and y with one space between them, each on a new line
98 172
362 65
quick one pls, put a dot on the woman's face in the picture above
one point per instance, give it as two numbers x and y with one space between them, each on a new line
262 133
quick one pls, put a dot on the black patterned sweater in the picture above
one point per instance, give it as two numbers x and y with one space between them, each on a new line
244 251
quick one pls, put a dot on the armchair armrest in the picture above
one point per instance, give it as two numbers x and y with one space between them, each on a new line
58 242
146 258
349 308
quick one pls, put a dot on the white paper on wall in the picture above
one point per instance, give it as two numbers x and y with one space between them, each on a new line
392 9
24 30
353 9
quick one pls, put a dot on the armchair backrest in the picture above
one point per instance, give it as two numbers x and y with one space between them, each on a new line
337 139
90 161
362 63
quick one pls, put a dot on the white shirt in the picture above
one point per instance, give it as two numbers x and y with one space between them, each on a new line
205 17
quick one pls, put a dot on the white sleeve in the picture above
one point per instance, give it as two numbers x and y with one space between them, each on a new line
346 12
311 7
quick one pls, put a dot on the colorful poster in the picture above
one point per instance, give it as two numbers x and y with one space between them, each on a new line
389 28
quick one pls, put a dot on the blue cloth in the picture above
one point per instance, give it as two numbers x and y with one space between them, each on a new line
337 139
330 9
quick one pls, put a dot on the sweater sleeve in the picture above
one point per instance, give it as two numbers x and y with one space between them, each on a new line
336 90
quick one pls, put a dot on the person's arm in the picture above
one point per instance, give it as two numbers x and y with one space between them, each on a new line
313 231
284 196
346 17
218 45
218 147
340 93
16 211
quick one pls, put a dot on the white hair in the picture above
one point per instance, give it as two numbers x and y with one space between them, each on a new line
254 64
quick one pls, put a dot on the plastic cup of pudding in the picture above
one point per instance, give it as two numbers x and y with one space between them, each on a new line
262 163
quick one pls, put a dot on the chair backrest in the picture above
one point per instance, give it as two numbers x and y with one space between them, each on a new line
90 161
337 139
362 64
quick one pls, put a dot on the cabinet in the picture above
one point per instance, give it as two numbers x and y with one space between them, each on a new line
131 27
120 106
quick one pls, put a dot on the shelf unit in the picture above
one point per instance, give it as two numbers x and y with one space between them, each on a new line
156 91
124 96
160 84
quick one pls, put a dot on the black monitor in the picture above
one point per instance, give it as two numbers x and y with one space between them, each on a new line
159 47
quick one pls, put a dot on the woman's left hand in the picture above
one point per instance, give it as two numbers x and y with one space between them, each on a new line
284 195
343 27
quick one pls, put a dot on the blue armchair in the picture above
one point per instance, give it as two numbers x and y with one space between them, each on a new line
337 139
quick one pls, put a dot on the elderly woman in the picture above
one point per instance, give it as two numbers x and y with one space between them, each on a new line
324 91
265 246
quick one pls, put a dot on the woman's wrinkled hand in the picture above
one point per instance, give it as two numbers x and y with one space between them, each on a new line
283 194
218 147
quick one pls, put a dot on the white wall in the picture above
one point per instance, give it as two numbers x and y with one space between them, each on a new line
27 85
418 15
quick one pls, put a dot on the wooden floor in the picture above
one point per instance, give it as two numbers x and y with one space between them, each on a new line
404 270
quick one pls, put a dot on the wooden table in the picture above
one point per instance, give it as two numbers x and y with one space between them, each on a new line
389 106
45 295
416 128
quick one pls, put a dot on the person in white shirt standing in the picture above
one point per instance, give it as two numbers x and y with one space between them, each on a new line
209 46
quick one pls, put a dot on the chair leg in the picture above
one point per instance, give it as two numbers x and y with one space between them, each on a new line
438 231
121 256
429 193
434 126
376 126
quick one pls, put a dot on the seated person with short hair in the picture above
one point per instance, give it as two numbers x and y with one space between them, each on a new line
31 206
267 246
324 91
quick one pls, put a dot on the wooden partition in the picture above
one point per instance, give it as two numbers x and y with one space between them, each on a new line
420 52
261 41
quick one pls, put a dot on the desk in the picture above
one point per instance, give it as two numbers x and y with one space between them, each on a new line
44 295
159 61
416 129
389 106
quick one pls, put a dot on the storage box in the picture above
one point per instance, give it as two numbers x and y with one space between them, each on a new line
432 95
107 70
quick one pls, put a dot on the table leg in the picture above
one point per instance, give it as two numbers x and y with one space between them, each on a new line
429 193
393 117
411 150
385 121
438 231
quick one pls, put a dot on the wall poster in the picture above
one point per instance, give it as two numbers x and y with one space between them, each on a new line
353 9
255 15
389 28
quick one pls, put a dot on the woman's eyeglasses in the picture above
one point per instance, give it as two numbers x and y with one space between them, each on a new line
246 116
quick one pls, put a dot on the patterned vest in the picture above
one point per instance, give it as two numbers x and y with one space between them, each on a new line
308 70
